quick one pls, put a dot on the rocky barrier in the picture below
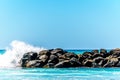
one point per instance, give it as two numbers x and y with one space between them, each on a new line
59 58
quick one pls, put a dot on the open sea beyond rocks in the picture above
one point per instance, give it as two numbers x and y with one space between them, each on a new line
82 73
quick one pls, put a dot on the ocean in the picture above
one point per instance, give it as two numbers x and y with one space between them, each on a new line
18 73
10 56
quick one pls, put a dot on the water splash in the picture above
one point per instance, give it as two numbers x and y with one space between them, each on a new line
15 52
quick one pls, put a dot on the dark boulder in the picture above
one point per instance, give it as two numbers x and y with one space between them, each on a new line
60 60
50 50
97 62
23 62
87 55
98 59
96 55
44 58
57 50
62 57
103 62
58 54
49 65
53 59
81 58
111 62
116 54
75 62
88 63
117 50
27 57
30 55
118 64
70 55
44 52
63 64
34 64
104 53
95 51
118 58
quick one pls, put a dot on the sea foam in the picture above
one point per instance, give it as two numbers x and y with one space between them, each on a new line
15 52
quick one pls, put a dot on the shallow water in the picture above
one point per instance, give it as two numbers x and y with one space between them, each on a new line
2 51
60 74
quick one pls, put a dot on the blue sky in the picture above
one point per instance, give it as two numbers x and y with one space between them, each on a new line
61 23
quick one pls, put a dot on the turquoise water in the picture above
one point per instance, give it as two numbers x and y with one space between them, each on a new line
59 74
2 51
79 51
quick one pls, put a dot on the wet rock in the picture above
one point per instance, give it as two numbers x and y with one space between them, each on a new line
116 54
81 58
87 55
63 64
118 64
79 55
30 55
62 57
112 62
104 53
53 59
95 51
58 54
23 62
109 64
96 55
44 58
97 62
75 62
57 50
88 63
50 50
113 51
98 59
49 65
27 57
103 62
60 60
45 52
70 55
34 64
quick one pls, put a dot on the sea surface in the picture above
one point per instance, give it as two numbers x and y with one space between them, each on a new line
18 73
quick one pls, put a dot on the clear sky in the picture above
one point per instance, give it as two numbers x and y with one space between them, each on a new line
61 23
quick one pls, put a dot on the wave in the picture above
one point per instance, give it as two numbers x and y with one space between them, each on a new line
14 53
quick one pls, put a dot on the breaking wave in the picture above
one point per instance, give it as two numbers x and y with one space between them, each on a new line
15 52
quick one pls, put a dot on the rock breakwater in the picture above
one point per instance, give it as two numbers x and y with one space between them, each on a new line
59 58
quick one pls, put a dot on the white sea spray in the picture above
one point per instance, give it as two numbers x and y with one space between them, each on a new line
15 52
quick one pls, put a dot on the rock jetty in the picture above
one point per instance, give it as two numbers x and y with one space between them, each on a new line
59 58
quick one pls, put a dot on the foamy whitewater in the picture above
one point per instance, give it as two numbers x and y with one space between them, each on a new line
15 52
